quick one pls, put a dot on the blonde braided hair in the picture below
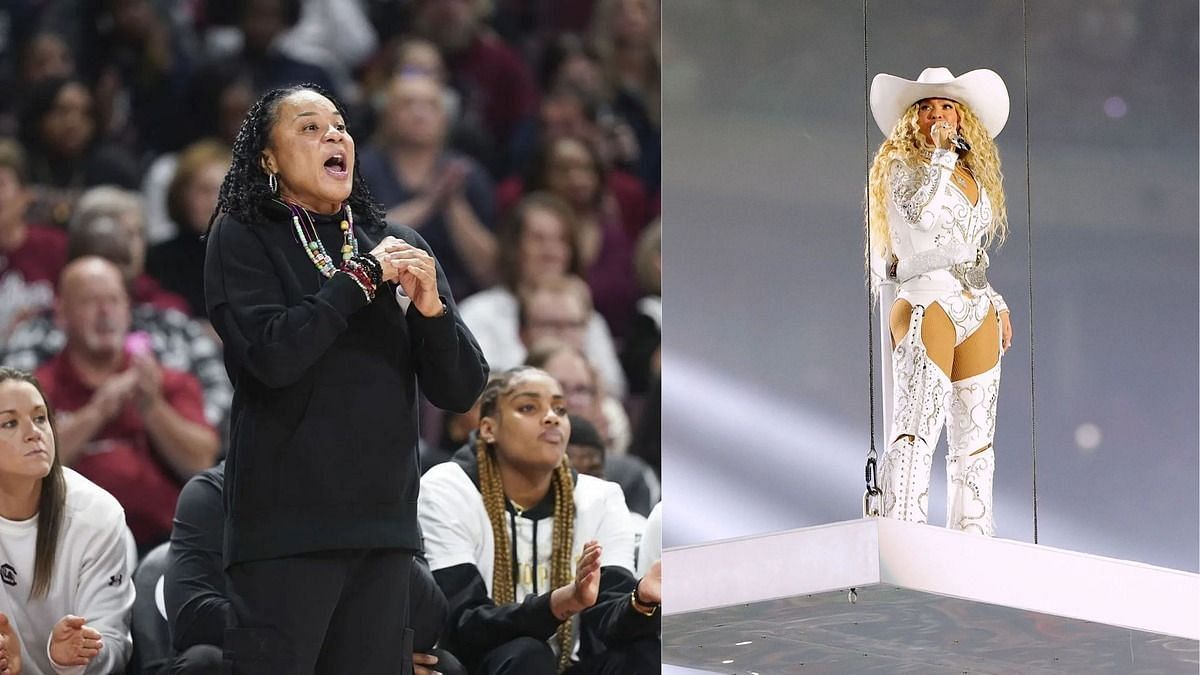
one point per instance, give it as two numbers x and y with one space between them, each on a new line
494 502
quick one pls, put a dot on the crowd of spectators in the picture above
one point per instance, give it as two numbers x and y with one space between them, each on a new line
520 138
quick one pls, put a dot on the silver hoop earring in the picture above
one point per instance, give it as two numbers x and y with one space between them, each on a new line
273 183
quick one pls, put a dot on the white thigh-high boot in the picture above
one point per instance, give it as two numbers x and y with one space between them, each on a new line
970 459
921 393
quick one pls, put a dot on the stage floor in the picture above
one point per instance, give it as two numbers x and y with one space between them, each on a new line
928 600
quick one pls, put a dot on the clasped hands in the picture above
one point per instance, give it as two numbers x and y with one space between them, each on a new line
141 383
413 269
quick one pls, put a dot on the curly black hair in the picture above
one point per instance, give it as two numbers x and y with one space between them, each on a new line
245 193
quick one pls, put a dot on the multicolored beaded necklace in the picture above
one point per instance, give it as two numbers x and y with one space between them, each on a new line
311 241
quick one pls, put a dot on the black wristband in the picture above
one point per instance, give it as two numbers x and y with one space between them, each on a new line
637 597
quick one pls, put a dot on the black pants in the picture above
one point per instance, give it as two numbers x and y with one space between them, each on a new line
332 612
427 607
530 656
522 656
197 660
640 657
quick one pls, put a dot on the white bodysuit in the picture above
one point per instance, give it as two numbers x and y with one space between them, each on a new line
933 225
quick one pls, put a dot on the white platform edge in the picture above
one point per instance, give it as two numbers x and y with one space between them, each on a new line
771 566
863 552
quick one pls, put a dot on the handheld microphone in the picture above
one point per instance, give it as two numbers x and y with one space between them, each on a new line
961 146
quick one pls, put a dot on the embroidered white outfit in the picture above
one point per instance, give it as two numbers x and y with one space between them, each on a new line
937 236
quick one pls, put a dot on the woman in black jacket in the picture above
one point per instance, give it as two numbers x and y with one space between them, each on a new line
331 320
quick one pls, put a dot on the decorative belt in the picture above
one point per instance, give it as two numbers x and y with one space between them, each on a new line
966 263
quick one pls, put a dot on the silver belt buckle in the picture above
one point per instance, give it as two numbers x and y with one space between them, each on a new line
972 275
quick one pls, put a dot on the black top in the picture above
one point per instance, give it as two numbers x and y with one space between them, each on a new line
178 264
323 434
194 583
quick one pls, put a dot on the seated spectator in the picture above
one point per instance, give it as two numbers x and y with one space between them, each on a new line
565 111
561 309
67 589
418 56
31 255
178 264
177 341
570 168
61 135
198 610
135 428
579 100
194 581
218 97
586 398
444 195
44 54
559 591
495 83
216 101
647 432
586 395
531 24
626 35
108 211
456 429
262 24
335 35
141 61
585 447
640 353
537 244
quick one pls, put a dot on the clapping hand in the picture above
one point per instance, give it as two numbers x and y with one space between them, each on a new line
449 184
650 587
422 663
10 648
72 643
580 594
112 394
148 382
587 574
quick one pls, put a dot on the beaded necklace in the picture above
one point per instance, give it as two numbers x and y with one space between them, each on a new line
311 241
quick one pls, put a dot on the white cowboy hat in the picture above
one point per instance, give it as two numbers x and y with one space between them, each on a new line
982 90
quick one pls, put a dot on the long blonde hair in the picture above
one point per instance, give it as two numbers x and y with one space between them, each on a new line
907 144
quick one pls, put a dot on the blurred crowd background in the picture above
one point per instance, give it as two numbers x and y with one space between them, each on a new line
520 137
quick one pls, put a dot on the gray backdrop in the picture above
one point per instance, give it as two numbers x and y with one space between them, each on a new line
766 329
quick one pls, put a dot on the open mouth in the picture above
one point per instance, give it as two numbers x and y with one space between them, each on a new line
336 166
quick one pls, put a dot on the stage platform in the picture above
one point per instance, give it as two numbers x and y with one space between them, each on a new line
928 600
